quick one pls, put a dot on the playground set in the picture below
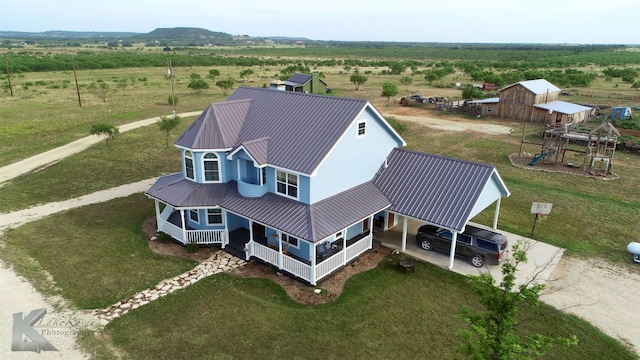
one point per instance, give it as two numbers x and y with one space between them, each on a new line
600 143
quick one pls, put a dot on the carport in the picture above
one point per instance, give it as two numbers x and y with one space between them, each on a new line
439 191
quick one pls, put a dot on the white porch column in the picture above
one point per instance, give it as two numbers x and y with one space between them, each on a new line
184 227
404 233
248 248
452 253
312 274
344 246
157 215
495 216
279 250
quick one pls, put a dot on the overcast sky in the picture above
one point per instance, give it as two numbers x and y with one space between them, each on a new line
458 21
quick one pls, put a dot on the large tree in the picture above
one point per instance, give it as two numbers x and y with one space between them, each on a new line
492 332
389 90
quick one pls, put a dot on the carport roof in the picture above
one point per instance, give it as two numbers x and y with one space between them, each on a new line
435 189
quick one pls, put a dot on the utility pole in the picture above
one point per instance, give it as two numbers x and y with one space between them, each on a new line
6 64
73 64
173 96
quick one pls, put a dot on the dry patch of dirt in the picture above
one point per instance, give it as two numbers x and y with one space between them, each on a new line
330 288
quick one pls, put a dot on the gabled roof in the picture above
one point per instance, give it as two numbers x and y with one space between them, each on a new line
301 128
439 190
217 127
563 107
538 86
310 222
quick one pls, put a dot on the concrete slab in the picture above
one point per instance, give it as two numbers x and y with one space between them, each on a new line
542 258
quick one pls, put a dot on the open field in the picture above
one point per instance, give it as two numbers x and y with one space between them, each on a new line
395 313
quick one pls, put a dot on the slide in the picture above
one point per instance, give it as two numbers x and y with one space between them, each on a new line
538 158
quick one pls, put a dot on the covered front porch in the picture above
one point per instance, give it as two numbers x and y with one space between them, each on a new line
173 223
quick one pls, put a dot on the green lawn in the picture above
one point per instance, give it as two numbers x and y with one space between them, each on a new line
96 255
383 313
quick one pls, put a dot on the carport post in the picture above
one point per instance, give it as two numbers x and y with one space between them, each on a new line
495 216
404 233
452 254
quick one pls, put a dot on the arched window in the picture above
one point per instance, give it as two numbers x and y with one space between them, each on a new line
188 165
211 167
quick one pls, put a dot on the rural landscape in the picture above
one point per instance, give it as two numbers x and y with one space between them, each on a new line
58 89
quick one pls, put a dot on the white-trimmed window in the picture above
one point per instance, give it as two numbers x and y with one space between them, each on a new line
287 184
193 216
292 241
362 128
214 217
338 235
188 165
211 166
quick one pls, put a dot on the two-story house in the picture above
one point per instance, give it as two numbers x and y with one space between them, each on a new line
299 181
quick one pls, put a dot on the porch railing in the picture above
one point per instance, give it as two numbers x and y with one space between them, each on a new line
200 237
304 271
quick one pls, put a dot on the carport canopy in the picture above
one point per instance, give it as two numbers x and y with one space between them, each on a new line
439 191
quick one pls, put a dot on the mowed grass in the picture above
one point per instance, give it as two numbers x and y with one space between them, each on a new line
93 256
383 313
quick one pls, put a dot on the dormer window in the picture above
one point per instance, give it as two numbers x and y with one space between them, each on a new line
211 167
362 128
188 165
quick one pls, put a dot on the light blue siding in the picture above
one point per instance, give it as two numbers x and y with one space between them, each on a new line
354 160
354 230
224 166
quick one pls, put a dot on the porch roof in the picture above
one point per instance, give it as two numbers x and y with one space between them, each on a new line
309 222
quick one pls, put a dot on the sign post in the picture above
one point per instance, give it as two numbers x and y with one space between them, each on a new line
539 208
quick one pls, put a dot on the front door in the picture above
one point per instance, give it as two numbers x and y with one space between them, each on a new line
259 231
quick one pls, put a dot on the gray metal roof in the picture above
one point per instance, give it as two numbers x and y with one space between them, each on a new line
310 222
298 78
177 191
436 189
217 127
537 86
563 107
302 128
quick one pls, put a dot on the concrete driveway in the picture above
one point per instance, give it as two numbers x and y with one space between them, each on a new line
542 258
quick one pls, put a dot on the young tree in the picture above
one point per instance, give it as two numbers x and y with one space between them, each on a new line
107 131
167 124
213 74
245 72
389 90
492 332
406 81
123 83
358 79
397 68
197 83
225 85
100 89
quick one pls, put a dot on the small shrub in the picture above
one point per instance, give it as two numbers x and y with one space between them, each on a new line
171 98
192 247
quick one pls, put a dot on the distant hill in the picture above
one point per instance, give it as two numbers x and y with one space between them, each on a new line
186 36
182 36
